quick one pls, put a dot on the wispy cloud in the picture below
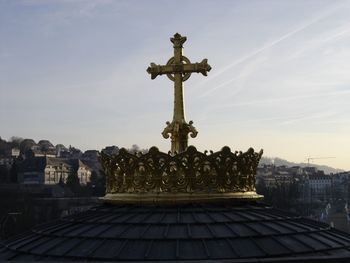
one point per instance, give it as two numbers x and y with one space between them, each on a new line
240 77
318 17
323 39
284 99
308 117
64 12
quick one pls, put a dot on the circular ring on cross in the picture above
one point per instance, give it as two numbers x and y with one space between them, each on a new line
185 76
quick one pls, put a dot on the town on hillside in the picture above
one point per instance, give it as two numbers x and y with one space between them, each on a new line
307 191
40 181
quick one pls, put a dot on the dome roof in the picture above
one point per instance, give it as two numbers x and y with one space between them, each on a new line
249 232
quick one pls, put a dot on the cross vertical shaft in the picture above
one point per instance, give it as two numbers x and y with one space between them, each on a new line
179 111
179 69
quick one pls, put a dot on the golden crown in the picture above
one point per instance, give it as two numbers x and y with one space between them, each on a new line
189 176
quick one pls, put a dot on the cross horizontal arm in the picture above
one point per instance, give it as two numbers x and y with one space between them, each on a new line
156 70
202 67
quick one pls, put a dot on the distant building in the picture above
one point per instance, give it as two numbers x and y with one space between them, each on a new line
310 170
47 147
320 185
60 150
91 159
83 171
15 152
74 153
90 155
6 161
111 150
26 144
313 184
340 185
270 181
35 151
274 176
48 170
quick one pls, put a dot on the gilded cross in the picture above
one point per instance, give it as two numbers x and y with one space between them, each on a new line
179 69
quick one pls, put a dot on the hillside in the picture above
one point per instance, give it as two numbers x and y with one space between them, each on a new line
278 162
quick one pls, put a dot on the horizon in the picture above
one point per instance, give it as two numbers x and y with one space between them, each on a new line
74 72
272 158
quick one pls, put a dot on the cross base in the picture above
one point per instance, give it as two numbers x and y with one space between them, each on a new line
178 132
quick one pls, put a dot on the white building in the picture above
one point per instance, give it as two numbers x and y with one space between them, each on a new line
320 184
47 170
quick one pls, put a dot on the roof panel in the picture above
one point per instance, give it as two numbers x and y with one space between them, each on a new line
200 231
64 247
314 243
155 232
276 226
107 249
133 250
153 218
220 249
295 226
272 246
292 243
261 228
6 254
115 231
203 217
245 248
162 250
132 231
220 230
242 230
192 250
26 257
187 218
25 240
97 230
47 245
177 231
327 241
86 247
79 230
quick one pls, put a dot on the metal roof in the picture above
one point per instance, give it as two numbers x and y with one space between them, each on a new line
198 232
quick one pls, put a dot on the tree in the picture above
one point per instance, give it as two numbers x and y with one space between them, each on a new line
98 183
261 187
4 174
134 148
15 141
4 147
94 179
26 144
73 182
61 182
14 172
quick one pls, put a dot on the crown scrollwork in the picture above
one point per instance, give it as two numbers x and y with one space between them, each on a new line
192 130
188 172
167 130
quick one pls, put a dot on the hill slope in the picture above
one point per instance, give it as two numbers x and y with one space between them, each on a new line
278 162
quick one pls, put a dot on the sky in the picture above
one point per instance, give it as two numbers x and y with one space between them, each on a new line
74 72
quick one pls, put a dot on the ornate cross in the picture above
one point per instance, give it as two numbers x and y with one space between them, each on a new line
179 69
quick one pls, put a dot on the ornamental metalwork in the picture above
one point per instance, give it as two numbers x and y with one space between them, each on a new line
188 172
183 174
178 69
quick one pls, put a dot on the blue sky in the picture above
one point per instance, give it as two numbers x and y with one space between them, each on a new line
74 72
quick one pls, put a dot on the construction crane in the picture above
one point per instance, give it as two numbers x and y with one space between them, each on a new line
314 158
